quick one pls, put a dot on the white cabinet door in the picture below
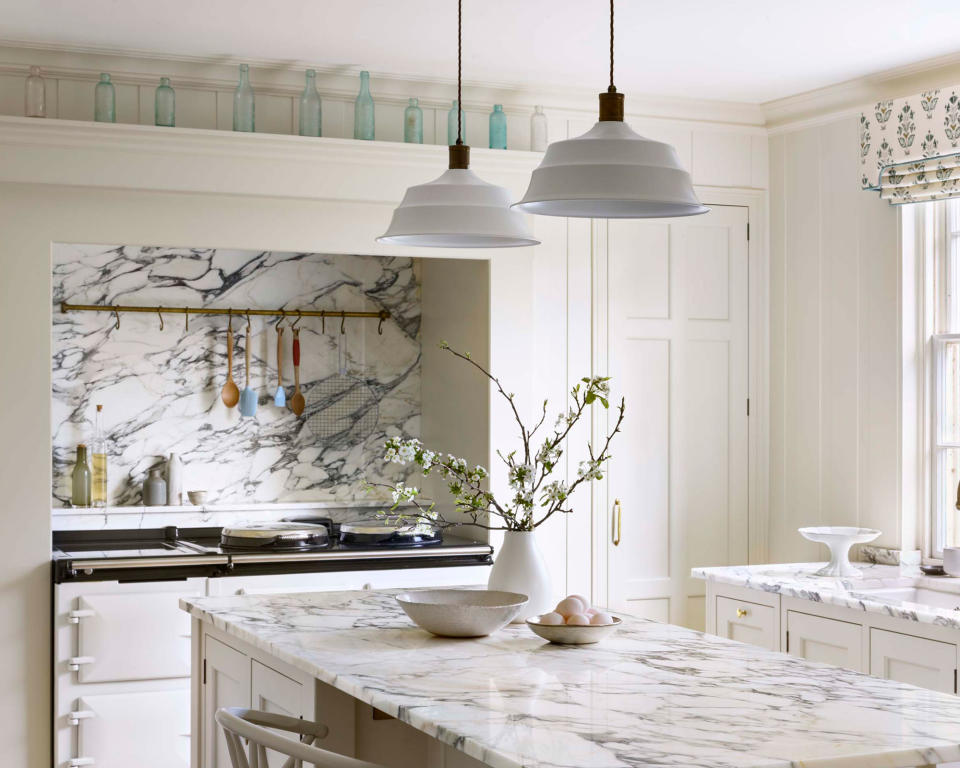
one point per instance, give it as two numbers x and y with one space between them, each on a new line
271 691
915 660
676 298
747 622
829 641
133 636
146 730
226 683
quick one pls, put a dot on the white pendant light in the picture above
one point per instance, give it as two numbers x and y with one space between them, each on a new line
611 172
458 209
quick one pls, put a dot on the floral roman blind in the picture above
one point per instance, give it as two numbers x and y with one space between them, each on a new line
910 148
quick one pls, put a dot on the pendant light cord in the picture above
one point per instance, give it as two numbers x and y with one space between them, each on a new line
459 68
612 88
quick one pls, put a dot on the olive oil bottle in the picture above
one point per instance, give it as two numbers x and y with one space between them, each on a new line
98 449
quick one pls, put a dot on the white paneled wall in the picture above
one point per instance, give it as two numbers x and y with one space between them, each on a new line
834 343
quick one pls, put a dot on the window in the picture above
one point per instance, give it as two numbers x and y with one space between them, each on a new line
939 224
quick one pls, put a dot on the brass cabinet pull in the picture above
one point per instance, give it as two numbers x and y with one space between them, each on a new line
617 522
741 612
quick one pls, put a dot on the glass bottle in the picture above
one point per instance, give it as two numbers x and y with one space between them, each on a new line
98 447
81 479
310 106
413 123
105 101
452 124
538 130
363 124
498 128
165 104
34 96
243 102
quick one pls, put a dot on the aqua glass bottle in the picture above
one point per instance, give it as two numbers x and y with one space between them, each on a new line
413 123
498 128
243 102
310 106
363 124
452 124
35 96
538 130
104 101
164 104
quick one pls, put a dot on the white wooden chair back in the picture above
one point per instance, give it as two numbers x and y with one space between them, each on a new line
238 723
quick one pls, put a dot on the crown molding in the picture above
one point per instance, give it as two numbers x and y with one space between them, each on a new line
849 97
284 77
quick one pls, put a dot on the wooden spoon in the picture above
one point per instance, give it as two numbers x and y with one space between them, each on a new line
297 402
230 394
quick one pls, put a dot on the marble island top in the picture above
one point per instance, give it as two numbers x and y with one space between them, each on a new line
650 695
880 589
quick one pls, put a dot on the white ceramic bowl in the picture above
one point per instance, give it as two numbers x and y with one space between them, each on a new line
461 612
839 538
197 498
572 634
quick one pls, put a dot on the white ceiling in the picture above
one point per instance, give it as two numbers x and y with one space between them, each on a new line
738 50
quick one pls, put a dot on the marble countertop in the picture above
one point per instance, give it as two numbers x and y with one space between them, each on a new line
650 695
880 589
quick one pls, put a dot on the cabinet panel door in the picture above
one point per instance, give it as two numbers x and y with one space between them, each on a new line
747 622
828 641
916 660
271 691
134 636
147 730
226 684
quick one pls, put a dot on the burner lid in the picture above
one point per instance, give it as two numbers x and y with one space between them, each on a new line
276 535
389 532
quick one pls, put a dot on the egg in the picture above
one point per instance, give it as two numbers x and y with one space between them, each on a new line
578 620
551 618
591 612
569 606
601 617
582 599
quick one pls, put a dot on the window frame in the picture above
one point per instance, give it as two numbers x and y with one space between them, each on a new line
938 445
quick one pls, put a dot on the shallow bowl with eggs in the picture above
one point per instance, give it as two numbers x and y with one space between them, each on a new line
573 634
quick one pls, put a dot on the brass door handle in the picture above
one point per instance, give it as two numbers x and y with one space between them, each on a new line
741 612
617 522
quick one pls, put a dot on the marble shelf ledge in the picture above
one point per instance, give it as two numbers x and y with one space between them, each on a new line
112 518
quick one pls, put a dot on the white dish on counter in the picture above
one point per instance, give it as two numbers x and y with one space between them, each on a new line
839 538
573 634
461 612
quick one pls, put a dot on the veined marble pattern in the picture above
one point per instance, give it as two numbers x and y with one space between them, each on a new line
798 580
650 695
161 389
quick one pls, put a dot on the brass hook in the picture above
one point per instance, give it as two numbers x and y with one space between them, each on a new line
230 323
343 319
248 322
380 326
323 321
279 323
116 325
293 326
160 315
186 320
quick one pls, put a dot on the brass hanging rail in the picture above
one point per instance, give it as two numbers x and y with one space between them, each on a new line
116 309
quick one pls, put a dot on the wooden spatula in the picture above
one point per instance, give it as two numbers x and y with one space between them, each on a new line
230 394
297 402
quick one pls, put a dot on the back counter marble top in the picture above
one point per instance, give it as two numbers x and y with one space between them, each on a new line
798 580
650 695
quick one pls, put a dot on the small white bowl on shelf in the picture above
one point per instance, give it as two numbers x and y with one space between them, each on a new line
461 612
573 634
839 538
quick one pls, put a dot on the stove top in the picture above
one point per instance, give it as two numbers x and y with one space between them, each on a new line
117 554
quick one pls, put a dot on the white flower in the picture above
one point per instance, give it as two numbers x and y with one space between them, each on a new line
403 493
589 470
555 491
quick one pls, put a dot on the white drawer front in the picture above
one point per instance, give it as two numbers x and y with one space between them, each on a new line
828 641
146 730
347 580
915 660
747 622
133 636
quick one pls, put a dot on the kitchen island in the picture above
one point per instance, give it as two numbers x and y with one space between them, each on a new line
652 694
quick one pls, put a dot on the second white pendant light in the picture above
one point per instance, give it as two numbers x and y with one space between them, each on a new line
611 172
458 209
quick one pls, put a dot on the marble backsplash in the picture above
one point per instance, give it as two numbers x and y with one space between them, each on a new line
161 388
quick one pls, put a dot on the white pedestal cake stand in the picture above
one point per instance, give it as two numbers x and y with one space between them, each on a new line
839 539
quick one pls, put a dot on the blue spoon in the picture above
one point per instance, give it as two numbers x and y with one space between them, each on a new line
248 398
280 398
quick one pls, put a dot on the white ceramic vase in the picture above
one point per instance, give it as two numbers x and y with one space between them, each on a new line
174 480
520 567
